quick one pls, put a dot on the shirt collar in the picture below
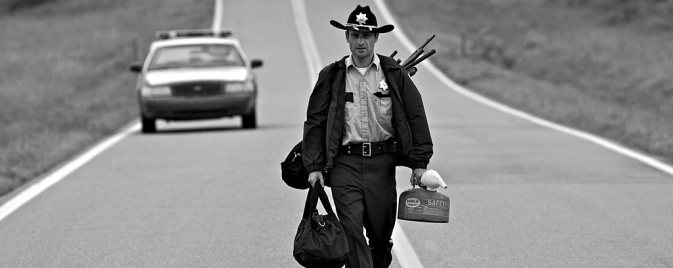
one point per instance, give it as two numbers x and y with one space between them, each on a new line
376 62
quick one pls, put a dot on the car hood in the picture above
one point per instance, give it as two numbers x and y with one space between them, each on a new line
160 77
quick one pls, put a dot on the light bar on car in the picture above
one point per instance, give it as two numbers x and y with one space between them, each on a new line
192 33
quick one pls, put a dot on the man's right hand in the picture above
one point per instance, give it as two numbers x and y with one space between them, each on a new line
316 176
416 175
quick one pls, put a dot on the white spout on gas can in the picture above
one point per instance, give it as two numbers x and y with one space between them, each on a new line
431 180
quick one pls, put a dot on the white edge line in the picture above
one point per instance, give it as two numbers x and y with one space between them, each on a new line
648 160
51 179
22 198
403 250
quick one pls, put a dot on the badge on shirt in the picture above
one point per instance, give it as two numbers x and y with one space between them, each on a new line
383 86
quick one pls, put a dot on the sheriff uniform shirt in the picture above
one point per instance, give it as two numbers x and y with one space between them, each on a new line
368 109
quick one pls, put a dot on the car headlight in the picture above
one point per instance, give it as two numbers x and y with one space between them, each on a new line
240 87
147 91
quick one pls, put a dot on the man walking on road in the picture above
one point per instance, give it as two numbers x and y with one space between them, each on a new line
365 117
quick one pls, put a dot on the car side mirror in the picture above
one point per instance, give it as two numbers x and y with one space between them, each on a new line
256 63
136 67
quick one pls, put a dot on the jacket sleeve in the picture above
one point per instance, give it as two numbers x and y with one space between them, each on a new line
415 112
313 148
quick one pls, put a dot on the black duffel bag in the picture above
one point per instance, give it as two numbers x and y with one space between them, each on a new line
320 241
292 169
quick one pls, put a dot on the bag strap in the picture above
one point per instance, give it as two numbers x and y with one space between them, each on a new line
315 193
311 200
325 201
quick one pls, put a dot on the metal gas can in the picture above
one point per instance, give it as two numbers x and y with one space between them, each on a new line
419 204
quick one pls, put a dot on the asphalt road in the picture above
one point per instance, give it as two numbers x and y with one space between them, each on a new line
209 194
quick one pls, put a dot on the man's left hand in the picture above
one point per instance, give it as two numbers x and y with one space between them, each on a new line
416 176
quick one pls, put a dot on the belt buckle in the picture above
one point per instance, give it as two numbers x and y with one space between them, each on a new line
367 149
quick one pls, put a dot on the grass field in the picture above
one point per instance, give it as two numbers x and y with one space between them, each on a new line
601 66
64 79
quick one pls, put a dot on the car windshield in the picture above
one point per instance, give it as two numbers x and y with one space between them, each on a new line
195 56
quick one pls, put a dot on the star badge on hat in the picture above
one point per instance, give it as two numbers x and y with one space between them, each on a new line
362 20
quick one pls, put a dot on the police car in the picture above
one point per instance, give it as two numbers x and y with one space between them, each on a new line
196 74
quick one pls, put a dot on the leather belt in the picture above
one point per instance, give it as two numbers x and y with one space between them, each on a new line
369 148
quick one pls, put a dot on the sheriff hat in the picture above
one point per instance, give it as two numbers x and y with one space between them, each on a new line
362 20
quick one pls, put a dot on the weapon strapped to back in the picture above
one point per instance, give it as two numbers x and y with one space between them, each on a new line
416 57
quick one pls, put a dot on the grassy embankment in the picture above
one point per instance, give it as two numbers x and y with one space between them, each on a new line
602 66
64 79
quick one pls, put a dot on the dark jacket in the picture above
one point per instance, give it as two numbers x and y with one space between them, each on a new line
323 128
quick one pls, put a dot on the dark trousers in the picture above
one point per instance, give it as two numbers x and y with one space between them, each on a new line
364 193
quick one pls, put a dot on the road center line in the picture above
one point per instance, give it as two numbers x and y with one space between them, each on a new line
307 41
648 160
217 15
403 250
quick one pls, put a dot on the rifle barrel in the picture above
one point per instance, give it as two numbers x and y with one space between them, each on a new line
418 52
393 54
425 43
412 57
421 58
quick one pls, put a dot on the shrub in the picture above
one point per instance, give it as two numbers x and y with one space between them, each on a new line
658 13
8 6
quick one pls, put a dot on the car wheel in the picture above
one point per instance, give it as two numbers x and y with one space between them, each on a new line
149 125
250 120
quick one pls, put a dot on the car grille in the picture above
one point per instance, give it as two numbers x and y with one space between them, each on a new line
197 89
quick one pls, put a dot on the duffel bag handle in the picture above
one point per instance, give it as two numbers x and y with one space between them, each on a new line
315 193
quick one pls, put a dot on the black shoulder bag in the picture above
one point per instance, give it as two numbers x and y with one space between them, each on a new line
320 241
292 169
